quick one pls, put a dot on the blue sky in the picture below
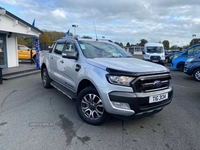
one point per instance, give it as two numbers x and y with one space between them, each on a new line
121 21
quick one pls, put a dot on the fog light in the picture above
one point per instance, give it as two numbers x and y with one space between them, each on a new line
121 105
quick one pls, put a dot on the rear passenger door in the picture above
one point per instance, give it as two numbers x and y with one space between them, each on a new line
55 61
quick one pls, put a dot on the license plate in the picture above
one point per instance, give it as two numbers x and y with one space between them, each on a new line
158 98
155 60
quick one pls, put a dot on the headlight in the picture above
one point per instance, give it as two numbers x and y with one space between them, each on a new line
146 55
120 80
175 56
189 60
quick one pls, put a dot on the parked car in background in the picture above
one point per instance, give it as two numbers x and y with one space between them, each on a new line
169 54
180 58
192 67
154 52
24 53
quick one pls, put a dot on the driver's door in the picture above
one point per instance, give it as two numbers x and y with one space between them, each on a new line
68 68
193 51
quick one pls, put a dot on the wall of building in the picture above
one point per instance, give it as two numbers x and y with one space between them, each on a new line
12 26
12 51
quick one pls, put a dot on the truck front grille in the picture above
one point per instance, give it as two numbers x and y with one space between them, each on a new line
155 58
151 83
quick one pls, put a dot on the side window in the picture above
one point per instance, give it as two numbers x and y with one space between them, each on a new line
197 49
59 48
23 48
190 51
70 47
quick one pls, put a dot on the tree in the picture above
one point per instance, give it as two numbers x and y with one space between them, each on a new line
194 41
143 42
127 44
55 35
86 37
120 44
175 47
45 40
28 41
20 40
166 44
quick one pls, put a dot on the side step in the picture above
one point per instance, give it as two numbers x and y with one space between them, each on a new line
64 90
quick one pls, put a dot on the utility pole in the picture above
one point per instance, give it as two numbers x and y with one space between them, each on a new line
193 36
74 26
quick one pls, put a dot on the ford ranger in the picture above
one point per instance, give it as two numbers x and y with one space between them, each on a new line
104 79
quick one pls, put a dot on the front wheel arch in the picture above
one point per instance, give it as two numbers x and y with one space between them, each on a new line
180 66
196 74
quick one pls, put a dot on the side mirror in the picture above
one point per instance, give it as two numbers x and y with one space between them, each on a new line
70 55
143 52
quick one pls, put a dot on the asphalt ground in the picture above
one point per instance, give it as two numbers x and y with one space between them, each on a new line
34 118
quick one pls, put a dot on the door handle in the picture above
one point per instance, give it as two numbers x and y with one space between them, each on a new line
62 61
78 67
51 58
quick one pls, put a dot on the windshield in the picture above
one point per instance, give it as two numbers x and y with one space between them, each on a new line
154 49
97 49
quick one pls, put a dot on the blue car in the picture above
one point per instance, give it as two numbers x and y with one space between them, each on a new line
192 67
180 58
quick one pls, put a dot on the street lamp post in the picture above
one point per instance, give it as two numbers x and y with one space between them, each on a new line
193 36
74 26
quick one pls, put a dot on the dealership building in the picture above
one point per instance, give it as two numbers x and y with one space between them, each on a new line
11 27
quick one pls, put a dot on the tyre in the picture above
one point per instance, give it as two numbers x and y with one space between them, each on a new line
180 66
46 80
167 60
196 74
90 107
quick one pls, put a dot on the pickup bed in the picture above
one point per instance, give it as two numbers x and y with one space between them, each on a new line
105 80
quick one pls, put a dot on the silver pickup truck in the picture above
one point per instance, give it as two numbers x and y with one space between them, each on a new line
105 80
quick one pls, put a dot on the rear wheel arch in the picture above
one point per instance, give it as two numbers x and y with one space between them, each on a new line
46 80
42 66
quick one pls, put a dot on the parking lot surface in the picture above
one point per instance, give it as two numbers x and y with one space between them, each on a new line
34 118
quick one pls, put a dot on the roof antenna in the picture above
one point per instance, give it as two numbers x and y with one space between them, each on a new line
95 31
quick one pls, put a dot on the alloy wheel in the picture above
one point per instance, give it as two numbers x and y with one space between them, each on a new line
92 106
197 75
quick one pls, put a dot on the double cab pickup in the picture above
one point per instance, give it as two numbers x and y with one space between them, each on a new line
105 80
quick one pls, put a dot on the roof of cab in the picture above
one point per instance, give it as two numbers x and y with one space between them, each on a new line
153 44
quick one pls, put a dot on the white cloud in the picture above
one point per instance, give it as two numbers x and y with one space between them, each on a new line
9 2
123 21
58 13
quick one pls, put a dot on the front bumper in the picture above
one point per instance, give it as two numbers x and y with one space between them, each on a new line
188 69
156 61
173 65
139 102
